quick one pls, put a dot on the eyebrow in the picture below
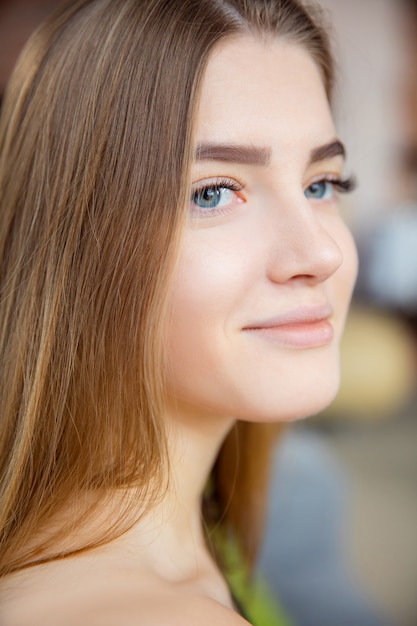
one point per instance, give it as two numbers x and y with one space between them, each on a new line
234 153
260 155
328 151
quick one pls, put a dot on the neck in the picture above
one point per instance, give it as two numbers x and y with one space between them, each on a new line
195 440
170 538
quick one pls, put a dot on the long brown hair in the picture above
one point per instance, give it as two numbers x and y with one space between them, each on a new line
96 142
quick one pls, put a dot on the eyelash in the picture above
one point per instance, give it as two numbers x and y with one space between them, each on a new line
341 185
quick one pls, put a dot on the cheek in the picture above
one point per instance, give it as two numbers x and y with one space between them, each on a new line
208 284
202 283
213 275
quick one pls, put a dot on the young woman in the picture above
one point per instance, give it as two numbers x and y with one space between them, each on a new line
173 262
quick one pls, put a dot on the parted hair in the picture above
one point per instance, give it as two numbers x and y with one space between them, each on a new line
96 143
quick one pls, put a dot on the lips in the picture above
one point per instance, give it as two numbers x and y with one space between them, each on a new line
302 327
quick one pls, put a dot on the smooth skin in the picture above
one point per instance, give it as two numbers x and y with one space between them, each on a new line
259 300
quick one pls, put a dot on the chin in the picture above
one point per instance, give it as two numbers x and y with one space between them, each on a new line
307 410
293 402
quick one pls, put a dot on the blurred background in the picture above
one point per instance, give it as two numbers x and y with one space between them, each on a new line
341 540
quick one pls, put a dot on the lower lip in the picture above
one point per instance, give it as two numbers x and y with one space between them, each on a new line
297 335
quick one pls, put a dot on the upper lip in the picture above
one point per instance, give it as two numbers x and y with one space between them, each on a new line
299 315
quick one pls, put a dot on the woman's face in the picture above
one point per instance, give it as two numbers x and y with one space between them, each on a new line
267 265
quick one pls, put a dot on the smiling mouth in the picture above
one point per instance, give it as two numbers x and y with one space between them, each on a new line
305 327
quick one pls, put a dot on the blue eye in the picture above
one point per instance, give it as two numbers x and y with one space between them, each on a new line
325 189
320 190
212 197
216 196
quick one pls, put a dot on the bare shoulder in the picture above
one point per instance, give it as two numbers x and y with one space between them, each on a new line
158 611
193 611
163 611
125 602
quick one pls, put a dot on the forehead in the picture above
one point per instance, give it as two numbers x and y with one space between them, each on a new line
263 92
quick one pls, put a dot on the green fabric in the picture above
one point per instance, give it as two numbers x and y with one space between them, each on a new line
261 608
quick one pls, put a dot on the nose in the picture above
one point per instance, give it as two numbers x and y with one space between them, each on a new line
304 244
